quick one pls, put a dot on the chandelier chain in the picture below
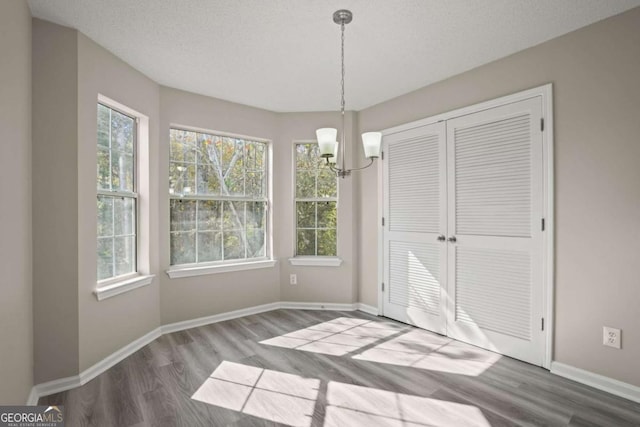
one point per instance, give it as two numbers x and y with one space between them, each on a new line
342 103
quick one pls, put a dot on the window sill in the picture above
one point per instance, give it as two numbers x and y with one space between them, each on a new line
126 285
315 261
177 272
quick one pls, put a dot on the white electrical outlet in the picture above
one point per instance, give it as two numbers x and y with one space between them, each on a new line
293 279
611 337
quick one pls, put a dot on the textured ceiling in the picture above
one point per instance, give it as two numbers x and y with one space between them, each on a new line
284 55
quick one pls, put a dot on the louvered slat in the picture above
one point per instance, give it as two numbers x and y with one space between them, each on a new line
493 290
414 185
493 178
414 275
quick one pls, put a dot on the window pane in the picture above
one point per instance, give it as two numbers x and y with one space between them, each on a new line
327 215
183 247
105 258
182 178
256 215
209 246
103 126
124 209
121 171
104 178
233 166
210 171
255 184
124 255
105 216
182 146
233 245
308 156
327 183
208 180
255 243
254 155
233 216
306 242
122 132
183 215
209 215
306 184
327 242
306 214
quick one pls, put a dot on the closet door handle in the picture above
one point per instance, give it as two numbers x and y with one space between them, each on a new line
441 238
453 239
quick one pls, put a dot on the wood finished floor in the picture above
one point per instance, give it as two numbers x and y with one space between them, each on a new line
381 373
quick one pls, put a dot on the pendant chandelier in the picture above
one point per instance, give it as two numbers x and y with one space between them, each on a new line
327 137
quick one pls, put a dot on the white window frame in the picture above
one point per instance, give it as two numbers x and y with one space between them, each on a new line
312 260
211 267
116 285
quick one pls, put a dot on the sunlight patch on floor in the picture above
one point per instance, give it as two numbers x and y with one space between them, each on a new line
353 405
336 337
270 395
389 343
423 350
291 399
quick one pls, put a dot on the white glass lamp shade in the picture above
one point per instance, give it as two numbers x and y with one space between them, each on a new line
327 138
334 159
371 143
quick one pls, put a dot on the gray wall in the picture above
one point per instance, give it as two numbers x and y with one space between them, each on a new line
315 284
72 330
55 201
16 325
105 326
595 72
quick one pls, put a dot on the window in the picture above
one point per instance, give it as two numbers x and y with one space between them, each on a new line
117 197
218 198
316 203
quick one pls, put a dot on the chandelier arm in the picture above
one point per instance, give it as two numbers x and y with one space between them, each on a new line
333 168
371 160
347 171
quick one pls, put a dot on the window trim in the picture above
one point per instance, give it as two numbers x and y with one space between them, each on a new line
316 261
190 270
308 260
123 278
116 285
125 283
210 267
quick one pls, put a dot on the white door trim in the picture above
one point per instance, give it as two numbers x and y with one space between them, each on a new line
546 93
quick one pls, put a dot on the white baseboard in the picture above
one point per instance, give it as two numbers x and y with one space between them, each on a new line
317 306
32 399
116 357
51 387
63 384
207 320
369 309
618 388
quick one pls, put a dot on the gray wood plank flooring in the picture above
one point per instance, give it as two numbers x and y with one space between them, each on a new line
329 369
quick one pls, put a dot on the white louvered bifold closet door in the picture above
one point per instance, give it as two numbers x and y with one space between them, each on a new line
494 212
415 216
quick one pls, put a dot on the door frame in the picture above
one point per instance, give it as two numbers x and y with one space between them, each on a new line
545 92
